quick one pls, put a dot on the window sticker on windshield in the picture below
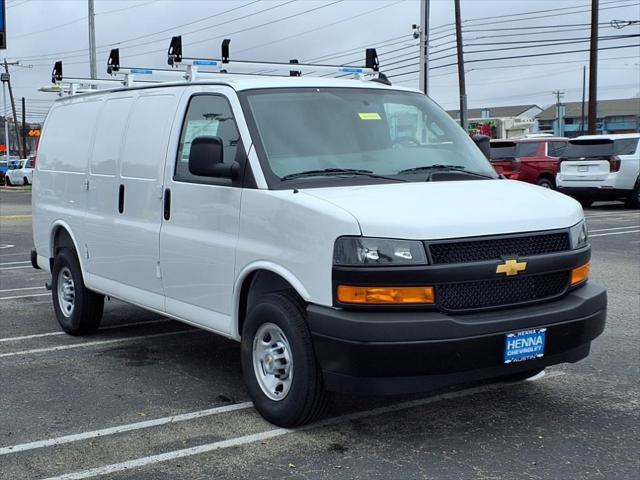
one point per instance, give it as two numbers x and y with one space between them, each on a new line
369 116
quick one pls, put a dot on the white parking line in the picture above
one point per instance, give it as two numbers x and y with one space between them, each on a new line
614 228
110 327
14 263
91 344
16 268
613 214
20 289
276 432
613 233
25 296
50 442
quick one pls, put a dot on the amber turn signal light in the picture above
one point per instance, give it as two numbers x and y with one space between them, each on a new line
580 274
386 295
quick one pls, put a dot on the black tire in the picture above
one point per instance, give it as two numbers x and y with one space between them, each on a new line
633 200
7 181
26 181
584 201
86 313
306 399
546 183
520 376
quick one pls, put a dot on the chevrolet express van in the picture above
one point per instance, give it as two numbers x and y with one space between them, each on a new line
348 233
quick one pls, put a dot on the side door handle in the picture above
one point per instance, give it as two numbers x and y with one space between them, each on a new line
167 204
121 199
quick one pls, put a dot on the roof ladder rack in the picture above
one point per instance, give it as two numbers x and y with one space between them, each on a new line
215 68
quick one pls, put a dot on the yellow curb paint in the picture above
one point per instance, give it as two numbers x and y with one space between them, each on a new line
15 217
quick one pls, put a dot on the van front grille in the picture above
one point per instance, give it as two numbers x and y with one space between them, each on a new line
497 248
501 292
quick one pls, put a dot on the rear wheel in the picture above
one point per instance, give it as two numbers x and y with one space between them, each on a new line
545 183
78 309
7 181
633 200
279 364
26 181
584 201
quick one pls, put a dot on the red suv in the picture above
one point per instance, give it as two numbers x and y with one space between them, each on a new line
532 160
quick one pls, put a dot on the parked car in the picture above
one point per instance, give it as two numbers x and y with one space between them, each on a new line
295 216
21 173
3 171
602 167
532 160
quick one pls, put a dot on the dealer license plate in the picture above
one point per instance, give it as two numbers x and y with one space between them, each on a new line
524 345
583 168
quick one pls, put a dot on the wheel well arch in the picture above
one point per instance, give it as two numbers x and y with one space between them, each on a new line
61 238
255 284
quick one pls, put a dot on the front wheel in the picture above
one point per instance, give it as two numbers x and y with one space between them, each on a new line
25 181
279 364
78 309
7 181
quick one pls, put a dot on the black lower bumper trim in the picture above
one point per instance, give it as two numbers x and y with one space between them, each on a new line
596 193
401 352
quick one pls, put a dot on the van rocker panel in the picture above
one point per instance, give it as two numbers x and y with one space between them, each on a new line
394 352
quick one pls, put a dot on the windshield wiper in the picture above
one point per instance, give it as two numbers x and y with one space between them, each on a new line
337 171
443 168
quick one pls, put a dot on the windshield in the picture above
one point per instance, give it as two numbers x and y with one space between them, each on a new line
328 133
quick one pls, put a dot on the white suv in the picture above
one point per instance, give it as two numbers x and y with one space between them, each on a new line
348 233
21 174
602 167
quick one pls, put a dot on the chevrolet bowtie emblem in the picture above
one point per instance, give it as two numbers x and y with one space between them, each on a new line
511 267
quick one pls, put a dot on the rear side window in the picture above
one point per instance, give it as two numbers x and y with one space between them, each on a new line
209 116
529 149
625 146
145 146
109 134
556 149
66 142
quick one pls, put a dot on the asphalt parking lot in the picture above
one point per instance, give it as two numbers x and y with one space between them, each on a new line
149 398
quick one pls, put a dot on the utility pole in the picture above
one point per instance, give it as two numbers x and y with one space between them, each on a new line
92 41
24 128
593 69
13 103
424 46
584 82
559 130
5 78
461 83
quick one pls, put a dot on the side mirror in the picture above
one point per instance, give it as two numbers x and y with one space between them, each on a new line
205 159
482 142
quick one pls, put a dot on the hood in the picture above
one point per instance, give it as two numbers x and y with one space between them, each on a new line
452 209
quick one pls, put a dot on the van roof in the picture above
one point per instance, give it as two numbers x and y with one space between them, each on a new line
253 82
611 136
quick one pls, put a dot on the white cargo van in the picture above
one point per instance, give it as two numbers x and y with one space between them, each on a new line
348 233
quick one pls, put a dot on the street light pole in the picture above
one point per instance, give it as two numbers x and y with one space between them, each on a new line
92 41
424 46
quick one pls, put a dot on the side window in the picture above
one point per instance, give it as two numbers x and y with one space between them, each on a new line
556 149
207 115
625 146
528 149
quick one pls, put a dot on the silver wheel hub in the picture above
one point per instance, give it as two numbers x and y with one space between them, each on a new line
272 362
66 291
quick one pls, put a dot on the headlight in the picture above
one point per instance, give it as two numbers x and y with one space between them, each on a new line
357 251
578 235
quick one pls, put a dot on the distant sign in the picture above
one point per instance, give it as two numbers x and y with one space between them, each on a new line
3 24
34 132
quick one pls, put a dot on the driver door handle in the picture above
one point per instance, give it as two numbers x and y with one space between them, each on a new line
167 203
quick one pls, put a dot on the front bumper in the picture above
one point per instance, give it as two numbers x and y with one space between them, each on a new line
393 352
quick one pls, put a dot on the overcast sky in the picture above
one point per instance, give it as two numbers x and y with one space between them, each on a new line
42 31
